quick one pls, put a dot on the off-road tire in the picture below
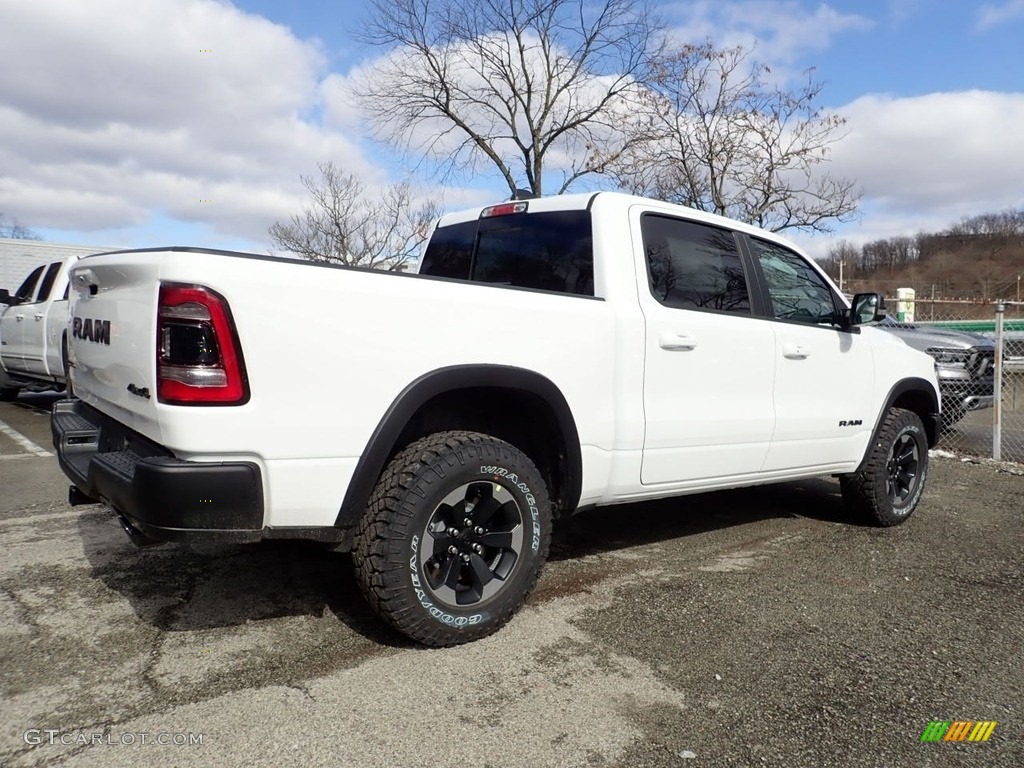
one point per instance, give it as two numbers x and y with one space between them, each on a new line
9 394
411 545
889 485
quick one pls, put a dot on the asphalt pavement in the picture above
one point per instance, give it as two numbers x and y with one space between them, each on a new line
761 627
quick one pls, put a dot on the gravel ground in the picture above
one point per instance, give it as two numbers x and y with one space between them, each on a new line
761 627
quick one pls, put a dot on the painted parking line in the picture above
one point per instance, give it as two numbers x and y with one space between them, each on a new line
23 441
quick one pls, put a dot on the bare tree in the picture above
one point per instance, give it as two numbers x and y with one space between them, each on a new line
12 228
1008 223
713 133
528 86
841 261
345 225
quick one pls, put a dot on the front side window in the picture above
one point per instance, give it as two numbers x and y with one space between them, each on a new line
797 291
693 266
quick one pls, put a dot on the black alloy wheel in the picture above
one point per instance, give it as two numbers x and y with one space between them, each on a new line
471 543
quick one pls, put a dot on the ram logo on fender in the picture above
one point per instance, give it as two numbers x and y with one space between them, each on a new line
88 329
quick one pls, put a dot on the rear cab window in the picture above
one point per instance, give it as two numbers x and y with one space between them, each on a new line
545 251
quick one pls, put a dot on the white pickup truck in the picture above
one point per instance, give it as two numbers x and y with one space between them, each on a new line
551 355
33 331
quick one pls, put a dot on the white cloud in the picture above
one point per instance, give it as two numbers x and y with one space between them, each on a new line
112 118
995 14
114 109
925 162
940 151
782 30
901 11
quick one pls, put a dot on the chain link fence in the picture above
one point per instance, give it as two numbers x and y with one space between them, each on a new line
978 346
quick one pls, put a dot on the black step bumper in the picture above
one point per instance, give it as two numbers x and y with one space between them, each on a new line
159 497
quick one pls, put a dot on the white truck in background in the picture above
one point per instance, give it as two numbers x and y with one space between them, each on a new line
552 355
33 331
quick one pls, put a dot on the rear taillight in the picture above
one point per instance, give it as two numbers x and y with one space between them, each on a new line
198 359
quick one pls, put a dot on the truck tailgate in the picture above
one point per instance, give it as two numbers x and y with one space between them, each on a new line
112 336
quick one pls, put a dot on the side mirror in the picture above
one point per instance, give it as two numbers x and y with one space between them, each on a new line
6 298
867 308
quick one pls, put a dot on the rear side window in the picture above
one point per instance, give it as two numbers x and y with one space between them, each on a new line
693 266
47 284
550 251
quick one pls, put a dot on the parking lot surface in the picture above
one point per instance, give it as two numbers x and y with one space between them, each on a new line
759 627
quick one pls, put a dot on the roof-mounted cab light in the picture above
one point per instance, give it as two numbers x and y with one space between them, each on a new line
504 209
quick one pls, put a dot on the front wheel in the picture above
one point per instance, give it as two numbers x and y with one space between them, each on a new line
889 485
453 538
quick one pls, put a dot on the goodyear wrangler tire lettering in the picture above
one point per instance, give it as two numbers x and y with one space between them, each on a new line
453 538
437 613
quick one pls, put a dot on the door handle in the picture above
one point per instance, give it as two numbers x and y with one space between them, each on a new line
795 351
39 316
677 342
19 318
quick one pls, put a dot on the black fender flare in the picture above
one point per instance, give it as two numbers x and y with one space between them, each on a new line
382 442
902 387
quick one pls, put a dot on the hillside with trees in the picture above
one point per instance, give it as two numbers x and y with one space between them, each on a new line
979 259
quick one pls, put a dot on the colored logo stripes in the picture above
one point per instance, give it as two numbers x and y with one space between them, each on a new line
958 730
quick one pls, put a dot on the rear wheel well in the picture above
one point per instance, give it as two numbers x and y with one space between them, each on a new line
521 418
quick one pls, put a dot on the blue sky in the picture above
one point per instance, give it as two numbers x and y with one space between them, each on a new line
115 127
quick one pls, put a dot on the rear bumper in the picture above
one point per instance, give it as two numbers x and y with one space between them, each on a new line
155 494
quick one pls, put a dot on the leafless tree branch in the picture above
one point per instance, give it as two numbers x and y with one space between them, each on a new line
529 87
343 224
12 228
712 133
